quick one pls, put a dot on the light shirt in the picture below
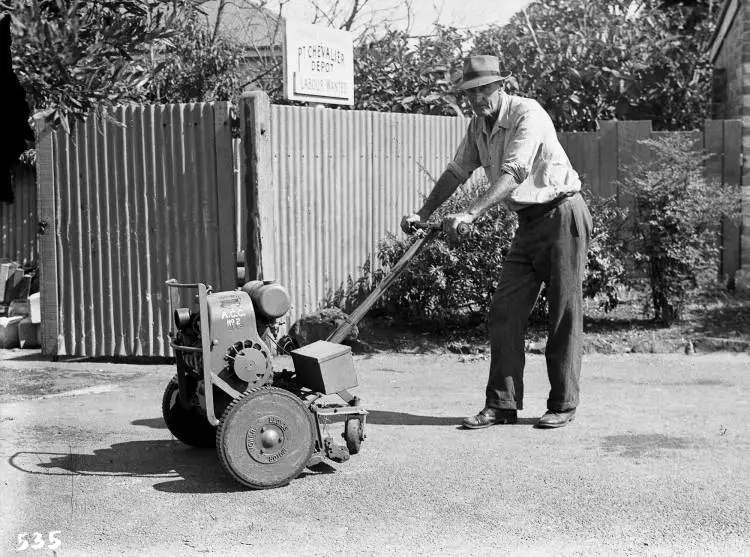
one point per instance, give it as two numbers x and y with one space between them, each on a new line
523 143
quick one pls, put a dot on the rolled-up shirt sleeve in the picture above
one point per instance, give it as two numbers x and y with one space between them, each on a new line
466 159
527 134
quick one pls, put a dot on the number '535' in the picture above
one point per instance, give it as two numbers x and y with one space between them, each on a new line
37 541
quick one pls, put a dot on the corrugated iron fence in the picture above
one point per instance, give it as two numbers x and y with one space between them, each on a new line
18 220
342 180
142 195
154 192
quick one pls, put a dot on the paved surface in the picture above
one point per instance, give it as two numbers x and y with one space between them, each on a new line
656 463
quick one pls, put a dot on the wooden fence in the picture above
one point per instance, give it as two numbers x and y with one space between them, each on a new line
602 156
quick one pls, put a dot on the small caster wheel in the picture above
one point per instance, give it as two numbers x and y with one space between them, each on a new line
353 434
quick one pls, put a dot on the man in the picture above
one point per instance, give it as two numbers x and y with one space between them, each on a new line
514 139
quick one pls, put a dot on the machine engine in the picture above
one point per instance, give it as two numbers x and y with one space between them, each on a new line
241 324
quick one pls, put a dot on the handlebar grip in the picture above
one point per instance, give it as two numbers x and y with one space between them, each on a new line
428 225
463 229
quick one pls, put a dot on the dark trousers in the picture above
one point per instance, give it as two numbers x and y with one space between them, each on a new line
549 247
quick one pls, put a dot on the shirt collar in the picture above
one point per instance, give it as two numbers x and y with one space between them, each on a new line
503 118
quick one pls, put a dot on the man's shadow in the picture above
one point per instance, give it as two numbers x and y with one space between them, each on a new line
374 417
402 418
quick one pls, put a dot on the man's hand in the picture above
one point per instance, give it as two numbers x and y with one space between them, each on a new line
408 222
452 222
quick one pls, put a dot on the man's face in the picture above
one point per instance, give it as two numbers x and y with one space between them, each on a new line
484 100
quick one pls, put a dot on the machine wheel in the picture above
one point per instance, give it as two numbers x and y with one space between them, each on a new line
266 438
189 426
353 434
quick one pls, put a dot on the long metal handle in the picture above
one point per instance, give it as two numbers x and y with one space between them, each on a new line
345 328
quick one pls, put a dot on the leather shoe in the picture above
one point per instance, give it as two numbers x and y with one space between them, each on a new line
491 416
553 418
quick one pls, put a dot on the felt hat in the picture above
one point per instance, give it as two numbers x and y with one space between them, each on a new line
479 71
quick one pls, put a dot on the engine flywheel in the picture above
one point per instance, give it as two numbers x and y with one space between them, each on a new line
250 362
266 438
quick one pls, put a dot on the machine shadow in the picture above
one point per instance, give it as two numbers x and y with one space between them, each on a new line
189 470
377 417
186 469
154 423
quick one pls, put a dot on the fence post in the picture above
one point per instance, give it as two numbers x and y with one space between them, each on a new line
48 235
608 162
257 180
227 243
732 175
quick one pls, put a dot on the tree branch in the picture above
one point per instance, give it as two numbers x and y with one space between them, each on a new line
217 23
533 34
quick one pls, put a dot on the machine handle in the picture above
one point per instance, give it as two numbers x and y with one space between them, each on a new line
172 283
176 346
463 229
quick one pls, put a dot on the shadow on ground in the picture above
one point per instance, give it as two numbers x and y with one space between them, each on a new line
375 417
187 470
154 423
184 469
19 384
610 325
35 355
401 418
724 321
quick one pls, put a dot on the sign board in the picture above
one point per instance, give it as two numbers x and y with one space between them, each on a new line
318 64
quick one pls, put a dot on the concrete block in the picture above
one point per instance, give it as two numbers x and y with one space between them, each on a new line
7 272
9 331
29 334
18 307
35 308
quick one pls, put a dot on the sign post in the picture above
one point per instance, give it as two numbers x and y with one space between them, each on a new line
318 64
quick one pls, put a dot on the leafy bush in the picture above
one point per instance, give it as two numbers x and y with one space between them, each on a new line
677 212
394 73
591 61
73 56
452 286
352 293
606 273
444 285
199 67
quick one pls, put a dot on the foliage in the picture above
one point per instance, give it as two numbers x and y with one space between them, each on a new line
395 74
675 229
452 286
584 61
74 55
606 274
444 285
198 67
353 292
588 61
